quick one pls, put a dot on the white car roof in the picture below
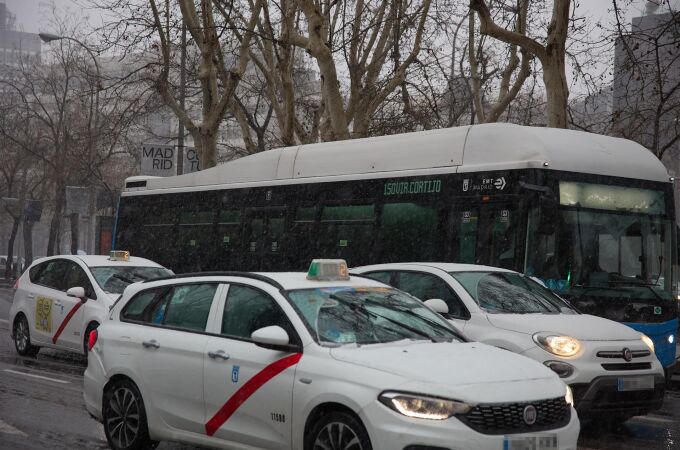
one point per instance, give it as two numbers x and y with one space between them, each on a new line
104 261
285 280
447 267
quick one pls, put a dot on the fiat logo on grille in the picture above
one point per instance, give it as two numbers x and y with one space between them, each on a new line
627 354
530 414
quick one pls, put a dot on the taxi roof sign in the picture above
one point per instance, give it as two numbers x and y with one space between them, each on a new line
328 270
119 255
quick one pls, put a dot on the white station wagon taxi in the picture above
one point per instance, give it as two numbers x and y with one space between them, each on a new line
312 361
60 299
611 368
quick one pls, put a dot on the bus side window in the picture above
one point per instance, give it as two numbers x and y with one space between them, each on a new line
410 232
347 232
468 221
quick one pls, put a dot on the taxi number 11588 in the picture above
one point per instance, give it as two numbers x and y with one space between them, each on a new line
276 417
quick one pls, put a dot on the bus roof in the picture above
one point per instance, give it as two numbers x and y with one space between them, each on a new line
475 148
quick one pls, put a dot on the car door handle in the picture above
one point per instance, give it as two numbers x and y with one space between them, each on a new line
151 344
218 354
31 295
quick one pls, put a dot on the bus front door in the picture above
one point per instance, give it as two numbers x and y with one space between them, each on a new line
487 234
263 239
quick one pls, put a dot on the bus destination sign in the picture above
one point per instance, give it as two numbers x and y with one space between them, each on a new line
412 187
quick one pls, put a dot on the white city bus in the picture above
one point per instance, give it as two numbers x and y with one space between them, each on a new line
590 215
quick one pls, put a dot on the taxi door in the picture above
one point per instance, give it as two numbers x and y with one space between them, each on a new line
49 303
248 388
69 312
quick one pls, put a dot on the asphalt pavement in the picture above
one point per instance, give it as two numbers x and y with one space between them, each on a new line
41 406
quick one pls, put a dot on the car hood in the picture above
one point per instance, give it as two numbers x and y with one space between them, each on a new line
466 371
581 326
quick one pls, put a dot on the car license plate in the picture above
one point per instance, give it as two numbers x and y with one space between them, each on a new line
635 383
542 442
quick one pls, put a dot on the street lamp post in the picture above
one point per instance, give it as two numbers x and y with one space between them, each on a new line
47 38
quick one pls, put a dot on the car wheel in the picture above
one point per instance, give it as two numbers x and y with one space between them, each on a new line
90 328
338 431
22 337
125 422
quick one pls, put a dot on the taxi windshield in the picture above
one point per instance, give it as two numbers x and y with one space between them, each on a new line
510 293
114 279
344 315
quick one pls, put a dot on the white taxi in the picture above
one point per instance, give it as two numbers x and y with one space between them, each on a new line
310 361
610 367
60 299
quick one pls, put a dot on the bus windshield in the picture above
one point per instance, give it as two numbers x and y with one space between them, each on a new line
606 249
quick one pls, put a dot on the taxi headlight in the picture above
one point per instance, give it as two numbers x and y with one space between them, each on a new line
569 396
648 341
558 345
423 407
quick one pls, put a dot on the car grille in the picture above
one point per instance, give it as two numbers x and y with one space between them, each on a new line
619 354
507 418
627 366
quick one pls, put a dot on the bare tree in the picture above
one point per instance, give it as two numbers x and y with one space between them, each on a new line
551 54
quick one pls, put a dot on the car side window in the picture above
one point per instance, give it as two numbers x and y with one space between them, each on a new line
52 275
426 286
136 308
248 309
75 276
383 277
188 306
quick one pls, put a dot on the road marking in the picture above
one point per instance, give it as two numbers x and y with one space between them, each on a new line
654 419
4 320
9 429
40 377
249 388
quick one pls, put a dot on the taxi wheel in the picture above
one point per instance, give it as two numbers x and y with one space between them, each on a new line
125 423
339 431
22 337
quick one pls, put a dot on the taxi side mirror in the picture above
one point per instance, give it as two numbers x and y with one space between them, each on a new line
77 292
273 337
438 305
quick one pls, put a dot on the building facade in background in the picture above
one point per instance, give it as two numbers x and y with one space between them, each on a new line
15 45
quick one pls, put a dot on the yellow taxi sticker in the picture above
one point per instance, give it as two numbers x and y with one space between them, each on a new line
43 314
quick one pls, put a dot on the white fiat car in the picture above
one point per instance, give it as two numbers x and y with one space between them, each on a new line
60 299
310 361
610 367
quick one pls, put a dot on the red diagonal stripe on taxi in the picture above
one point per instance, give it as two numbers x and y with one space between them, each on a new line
248 389
70 314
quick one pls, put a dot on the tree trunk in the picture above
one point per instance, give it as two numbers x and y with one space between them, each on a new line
206 147
28 242
9 267
557 90
74 219
55 223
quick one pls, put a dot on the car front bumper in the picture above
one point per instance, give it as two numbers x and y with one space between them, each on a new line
390 430
601 395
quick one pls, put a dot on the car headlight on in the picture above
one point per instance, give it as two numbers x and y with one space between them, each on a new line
671 338
648 341
423 407
558 345
569 396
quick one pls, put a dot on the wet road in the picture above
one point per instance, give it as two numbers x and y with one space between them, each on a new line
41 406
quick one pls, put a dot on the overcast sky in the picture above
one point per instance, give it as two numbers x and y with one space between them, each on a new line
30 13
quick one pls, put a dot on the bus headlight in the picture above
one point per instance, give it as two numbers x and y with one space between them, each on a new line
558 345
648 341
422 407
569 397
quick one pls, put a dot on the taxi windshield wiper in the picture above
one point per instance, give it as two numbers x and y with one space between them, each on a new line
425 319
357 305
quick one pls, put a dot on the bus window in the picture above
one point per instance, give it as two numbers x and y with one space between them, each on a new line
228 239
264 238
467 237
195 241
347 232
302 234
410 232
